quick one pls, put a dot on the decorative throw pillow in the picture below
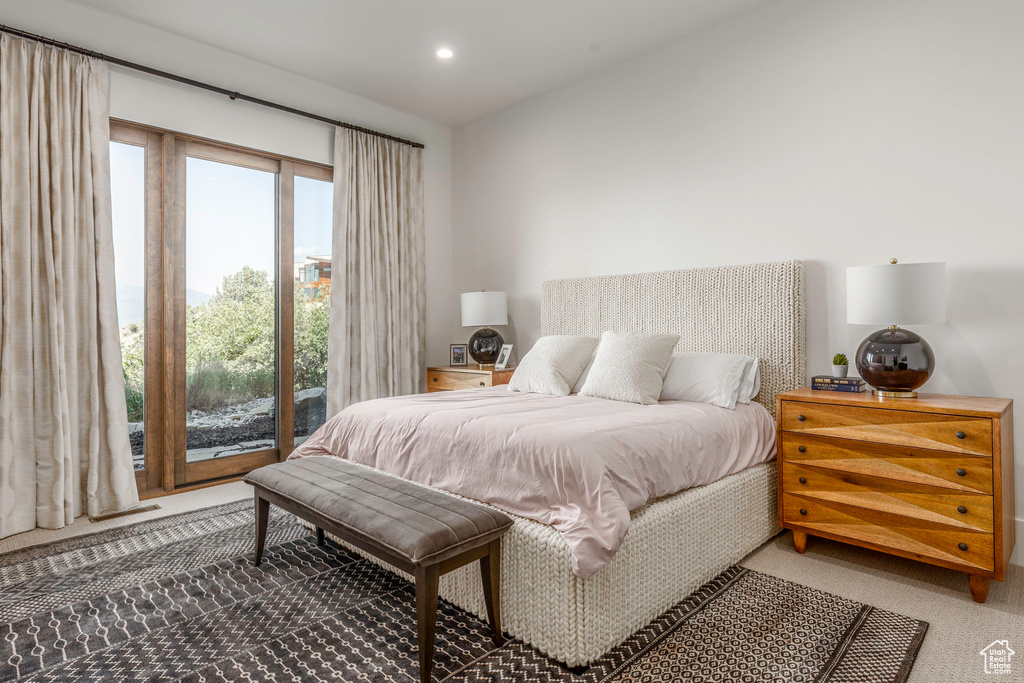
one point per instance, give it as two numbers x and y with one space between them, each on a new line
630 367
553 365
720 379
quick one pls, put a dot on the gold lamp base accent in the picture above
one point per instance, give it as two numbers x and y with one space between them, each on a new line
485 366
894 394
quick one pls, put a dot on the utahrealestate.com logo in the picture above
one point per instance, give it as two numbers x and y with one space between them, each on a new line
997 657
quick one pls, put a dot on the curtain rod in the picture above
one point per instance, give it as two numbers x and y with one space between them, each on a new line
199 84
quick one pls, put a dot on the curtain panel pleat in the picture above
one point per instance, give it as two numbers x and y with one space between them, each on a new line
377 339
64 447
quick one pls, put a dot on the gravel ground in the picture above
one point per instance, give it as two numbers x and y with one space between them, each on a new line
261 427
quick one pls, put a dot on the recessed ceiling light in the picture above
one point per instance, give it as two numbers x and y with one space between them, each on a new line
445 53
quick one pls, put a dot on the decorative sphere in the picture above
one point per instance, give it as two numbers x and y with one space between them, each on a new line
484 345
895 359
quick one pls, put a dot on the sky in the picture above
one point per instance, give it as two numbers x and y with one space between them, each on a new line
229 218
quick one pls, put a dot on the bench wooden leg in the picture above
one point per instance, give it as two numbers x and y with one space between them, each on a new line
490 571
262 515
320 540
426 617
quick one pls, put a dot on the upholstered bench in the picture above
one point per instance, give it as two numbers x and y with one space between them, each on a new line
418 530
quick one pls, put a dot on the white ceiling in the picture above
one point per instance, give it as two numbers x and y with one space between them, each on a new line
505 50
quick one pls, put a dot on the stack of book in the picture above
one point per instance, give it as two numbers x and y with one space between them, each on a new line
825 383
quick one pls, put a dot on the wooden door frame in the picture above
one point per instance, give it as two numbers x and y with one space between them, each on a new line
167 468
193 472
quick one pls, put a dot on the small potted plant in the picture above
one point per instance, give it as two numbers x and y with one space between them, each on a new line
840 365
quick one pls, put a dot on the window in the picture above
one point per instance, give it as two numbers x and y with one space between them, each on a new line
128 211
230 309
314 199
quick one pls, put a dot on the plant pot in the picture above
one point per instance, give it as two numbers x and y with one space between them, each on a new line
840 370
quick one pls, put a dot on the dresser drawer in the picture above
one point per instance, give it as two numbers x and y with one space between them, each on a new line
952 433
960 509
960 471
450 381
882 530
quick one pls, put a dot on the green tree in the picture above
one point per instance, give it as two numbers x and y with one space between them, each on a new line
312 319
229 356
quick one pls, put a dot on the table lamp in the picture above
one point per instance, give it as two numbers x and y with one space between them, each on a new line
895 361
484 308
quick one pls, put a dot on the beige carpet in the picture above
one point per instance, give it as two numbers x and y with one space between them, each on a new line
169 505
959 628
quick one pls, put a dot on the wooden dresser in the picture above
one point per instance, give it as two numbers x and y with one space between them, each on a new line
929 478
452 377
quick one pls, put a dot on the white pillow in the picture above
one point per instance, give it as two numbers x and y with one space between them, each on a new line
553 365
751 384
630 367
720 379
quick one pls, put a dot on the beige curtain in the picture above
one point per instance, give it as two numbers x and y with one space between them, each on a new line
376 345
64 446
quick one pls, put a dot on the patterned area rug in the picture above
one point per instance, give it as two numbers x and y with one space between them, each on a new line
179 599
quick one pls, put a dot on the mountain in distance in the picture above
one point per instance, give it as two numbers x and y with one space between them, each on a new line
131 302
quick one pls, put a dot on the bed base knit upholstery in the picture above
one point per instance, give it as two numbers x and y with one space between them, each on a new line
678 543
674 546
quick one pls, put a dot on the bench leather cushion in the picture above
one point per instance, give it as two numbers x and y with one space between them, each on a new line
418 524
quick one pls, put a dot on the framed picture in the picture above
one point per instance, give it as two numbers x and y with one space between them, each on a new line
503 356
459 354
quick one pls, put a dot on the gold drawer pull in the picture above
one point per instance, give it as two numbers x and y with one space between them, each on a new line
962 546
961 435
962 510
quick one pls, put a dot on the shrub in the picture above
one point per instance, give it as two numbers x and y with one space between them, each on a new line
210 385
312 320
134 400
229 355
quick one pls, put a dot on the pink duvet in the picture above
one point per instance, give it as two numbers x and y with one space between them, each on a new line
577 463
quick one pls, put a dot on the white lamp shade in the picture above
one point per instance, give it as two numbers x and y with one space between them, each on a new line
896 294
480 309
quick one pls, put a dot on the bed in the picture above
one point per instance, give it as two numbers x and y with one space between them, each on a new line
562 593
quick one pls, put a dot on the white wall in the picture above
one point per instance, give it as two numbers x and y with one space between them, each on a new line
839 133
137 97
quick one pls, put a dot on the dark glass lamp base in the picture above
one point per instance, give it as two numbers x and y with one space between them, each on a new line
484 346
895 362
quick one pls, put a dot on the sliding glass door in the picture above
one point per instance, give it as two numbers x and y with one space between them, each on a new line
230 302
223 267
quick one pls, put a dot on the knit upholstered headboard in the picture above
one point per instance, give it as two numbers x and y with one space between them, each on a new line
756 309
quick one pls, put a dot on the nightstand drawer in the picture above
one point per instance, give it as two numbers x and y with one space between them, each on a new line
451 381
961 471
953 433
884 531
957 508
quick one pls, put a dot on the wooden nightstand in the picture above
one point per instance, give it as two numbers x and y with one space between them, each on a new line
929 478
452 377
